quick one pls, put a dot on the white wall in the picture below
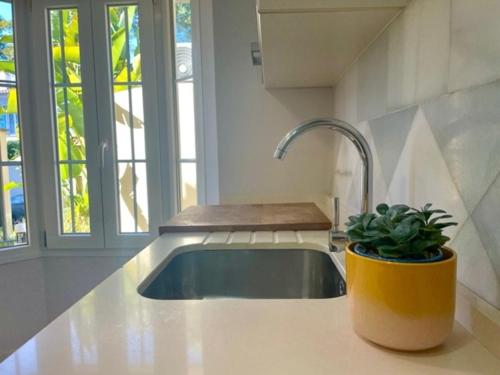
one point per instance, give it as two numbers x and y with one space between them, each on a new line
426 95
34 292
252 120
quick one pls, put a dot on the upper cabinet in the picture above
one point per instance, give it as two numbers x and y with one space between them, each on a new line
310 43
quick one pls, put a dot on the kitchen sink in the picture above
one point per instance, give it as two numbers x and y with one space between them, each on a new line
245 273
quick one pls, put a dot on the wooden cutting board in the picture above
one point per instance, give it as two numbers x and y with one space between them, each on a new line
248 217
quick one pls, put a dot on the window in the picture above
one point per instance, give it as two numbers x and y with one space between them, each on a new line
67 105
97 79
13 221
101 168
185 103
129 126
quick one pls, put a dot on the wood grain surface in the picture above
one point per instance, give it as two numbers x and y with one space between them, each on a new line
248 217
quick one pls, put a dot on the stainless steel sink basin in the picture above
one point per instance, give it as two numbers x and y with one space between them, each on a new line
256 273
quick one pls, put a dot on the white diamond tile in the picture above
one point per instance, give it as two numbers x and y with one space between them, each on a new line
474 266
422 176
466 126
372 80
389 135
475 51
486 219
402 57
346 96
352 205
433 49
346 177
379 184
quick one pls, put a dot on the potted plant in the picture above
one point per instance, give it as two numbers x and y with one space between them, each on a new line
400 277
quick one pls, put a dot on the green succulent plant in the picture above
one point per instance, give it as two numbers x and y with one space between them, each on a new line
400 232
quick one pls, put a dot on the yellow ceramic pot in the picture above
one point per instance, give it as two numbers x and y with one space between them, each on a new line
404 306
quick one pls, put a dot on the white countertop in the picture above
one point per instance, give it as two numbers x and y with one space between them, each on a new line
114 330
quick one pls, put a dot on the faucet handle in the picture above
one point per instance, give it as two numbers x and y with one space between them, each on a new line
336 213
337 238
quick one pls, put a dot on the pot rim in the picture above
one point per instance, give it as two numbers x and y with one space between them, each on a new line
445 249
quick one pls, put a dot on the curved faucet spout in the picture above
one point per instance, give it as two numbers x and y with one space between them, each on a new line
352 134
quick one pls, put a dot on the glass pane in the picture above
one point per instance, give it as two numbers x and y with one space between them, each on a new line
55 18
69 120
10 145
66 210
138 122
123 30
134 44
124 42
188 185
7 55
183 39
70 123
142 197
74 198
121 101
186 121
60 118
14 230
13 224
126 197
126 115
65 45
133 194
81 198
185 113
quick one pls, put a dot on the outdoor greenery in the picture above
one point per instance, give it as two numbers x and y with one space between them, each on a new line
183 22
13 149
400 231
68 99
6 40
7 63
70 125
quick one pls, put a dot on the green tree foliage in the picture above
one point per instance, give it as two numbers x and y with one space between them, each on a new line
70 125
6 40
183 22
13 149
7 63
66 62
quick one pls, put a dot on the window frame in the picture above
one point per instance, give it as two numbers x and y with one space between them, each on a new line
37 164
43 93
207 170
194 79
113 237
102 173
22 33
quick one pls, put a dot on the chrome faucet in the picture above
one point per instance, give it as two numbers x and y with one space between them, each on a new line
337 237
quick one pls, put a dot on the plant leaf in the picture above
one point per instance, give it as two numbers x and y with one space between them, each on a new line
400 231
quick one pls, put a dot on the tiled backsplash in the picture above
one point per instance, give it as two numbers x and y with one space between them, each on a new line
426 94
445 151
